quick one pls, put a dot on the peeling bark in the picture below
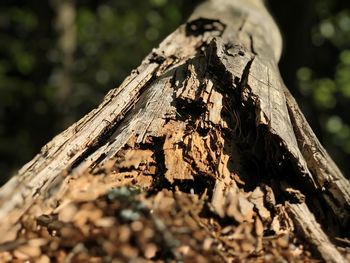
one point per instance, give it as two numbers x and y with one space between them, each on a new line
206 112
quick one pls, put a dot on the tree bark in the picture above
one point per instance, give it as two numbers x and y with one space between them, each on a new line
207 104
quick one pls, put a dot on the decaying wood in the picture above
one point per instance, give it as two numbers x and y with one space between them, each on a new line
306 222
335 187
207 105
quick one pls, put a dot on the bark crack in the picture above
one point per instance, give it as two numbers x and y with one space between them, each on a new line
244 20
252 49
245 74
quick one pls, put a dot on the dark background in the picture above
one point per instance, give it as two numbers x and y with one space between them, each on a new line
58 59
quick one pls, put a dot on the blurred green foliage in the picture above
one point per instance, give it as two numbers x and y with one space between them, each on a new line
112 37
328 91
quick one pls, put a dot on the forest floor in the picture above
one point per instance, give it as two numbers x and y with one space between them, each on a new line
164 224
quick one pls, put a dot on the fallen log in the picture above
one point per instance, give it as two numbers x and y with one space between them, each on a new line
207 115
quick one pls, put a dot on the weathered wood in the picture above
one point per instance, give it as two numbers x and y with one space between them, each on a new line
214 81
334 186
306 223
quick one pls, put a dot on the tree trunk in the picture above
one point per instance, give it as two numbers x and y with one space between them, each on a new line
207 117
65 28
